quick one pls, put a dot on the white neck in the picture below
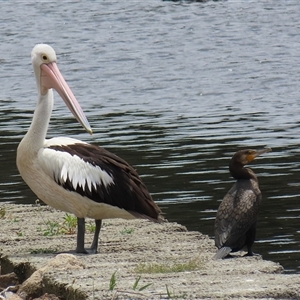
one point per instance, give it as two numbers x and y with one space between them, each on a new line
37 132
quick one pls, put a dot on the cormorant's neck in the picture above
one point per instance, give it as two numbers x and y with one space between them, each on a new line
238 171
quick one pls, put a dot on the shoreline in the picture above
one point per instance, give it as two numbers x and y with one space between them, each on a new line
137 260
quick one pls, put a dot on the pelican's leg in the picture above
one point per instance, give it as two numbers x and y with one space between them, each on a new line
94 245
80 235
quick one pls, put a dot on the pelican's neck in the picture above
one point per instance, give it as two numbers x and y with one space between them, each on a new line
37 132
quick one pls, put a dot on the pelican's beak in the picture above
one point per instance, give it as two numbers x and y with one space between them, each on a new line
52 78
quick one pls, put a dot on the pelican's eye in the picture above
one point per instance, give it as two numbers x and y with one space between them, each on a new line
44 57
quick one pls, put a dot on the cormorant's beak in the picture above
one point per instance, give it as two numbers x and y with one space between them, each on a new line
255 153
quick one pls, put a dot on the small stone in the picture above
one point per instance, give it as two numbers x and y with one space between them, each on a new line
11 296
33 286
47 297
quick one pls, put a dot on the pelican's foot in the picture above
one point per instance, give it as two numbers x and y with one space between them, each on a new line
80 237
90 251
77 251
86 251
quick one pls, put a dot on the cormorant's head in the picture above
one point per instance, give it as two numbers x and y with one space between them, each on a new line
246 156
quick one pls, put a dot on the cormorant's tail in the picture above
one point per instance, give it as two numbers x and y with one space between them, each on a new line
222 252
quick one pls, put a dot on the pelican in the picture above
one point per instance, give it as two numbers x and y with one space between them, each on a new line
71 175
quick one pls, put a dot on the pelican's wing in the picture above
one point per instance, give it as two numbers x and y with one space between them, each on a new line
96 173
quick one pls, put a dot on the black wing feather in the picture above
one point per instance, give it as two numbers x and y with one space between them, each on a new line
127 191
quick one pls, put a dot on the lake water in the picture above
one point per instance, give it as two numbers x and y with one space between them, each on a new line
175 88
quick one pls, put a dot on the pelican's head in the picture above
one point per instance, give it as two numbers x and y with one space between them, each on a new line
41 54
48 76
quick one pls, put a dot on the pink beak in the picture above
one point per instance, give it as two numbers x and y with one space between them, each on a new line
52 78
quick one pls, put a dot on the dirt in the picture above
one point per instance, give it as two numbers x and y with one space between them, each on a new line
146 261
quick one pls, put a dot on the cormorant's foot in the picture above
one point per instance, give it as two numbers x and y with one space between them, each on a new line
252 254
228 256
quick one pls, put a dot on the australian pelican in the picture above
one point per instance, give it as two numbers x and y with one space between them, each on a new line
71 175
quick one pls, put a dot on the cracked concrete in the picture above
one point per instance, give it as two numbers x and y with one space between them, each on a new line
126 247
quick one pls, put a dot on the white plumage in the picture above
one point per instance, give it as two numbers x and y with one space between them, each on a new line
62 166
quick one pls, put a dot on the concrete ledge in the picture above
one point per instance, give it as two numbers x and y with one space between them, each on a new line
126 246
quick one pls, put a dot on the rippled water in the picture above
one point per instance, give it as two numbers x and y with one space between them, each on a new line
175 88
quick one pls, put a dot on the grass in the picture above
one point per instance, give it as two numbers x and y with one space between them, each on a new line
52 228
113 281
135 285
174 267
67 226
90 227
136 290
174 296
2 212
43 251
127 231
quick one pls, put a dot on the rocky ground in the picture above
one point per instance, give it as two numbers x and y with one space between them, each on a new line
136 260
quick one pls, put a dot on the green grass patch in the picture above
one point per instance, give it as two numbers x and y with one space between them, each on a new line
136 283
112 281
52 228
69 224
66 227
172 295
2 213
127 231
90 227
42 251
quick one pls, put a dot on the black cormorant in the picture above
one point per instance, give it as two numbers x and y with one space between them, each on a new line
235 224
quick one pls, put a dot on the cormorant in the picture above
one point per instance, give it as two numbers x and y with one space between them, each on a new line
235 224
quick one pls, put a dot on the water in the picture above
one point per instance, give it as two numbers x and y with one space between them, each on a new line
175 88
